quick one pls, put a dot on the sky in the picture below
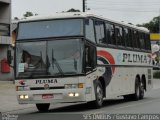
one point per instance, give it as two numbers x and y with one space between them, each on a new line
129 11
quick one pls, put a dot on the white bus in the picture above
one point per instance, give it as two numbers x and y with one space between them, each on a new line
79 57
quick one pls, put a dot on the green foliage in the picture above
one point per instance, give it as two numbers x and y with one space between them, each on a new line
153 25
156 74
28 14
16 18
73 10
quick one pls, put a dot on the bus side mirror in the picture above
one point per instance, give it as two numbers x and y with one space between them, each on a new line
9 57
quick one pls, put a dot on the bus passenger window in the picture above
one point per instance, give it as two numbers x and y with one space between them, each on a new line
136 38
138 41
119 34
141 40
89 30
100 35
147 40
125 36
110 33
130 38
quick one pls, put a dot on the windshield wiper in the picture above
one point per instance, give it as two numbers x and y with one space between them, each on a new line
54 61
48 64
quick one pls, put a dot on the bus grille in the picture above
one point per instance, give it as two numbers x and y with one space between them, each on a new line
42 88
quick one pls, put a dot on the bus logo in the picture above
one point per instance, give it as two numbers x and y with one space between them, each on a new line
106 58
46 86
46 81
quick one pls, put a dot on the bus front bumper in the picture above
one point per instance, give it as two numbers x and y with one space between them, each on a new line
51 96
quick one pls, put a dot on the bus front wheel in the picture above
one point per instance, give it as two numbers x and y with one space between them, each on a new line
98 94
43 107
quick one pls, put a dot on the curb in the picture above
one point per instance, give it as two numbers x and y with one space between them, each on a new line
6 82
4 85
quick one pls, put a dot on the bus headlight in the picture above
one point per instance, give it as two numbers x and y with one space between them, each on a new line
23 97
72 86
73 94
26 96
76 94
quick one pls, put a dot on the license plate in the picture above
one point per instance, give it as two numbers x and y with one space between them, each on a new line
47 96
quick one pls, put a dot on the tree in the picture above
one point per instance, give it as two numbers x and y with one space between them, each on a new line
153 25
28 14
16 18
73 10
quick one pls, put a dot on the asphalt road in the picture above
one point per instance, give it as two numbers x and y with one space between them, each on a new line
149 105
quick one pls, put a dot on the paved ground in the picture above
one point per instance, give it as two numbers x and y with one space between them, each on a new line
8 101
156 84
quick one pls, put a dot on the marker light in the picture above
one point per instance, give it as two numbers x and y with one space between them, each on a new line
74 86
22 88
80 85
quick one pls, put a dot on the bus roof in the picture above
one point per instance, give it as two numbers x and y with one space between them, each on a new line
64 15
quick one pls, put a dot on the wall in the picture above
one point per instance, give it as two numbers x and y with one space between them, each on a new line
5 35
3 54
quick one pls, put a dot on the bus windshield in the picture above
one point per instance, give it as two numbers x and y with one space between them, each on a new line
49 58
50 28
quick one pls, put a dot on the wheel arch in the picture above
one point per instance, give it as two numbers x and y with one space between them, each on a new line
143 80
102 81
137 78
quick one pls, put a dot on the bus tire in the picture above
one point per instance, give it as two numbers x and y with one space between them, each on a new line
43 107
98 94
141 96
136 95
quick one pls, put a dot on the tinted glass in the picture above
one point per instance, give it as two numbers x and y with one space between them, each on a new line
49 58
54 28
110 33
89 30
100 35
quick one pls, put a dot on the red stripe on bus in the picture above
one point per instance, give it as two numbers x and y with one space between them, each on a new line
108 57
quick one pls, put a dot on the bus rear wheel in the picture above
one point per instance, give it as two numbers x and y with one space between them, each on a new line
136 95
141 90
43 107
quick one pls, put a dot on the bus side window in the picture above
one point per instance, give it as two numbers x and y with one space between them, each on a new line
136 39
147 40
141 41
89 30
125 36
119 38
100 34
109 33
130 38
90 58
